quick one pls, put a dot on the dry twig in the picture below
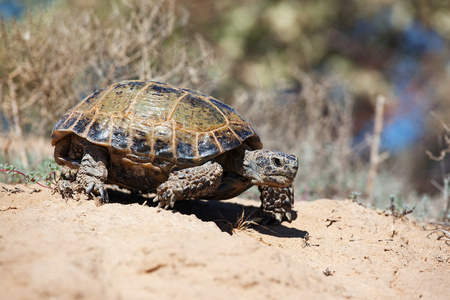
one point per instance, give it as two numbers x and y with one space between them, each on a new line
375 157
445 236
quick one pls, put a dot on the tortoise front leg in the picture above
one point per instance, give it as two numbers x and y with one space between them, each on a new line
190 183
276 203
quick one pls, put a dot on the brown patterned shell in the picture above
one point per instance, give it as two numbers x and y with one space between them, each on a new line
148 120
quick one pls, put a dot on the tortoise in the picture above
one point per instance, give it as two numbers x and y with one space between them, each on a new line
178 143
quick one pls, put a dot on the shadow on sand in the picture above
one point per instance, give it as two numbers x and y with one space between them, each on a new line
223 213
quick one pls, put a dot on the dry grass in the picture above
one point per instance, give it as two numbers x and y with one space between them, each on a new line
303 120
53 59
50 60
242 223
444 189
313 119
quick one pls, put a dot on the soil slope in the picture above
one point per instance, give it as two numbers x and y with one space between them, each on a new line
52 248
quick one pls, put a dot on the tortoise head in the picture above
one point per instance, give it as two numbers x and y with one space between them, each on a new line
270 168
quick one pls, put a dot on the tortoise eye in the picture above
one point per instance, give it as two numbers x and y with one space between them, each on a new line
277 162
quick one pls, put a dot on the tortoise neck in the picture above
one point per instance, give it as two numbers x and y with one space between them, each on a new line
233 160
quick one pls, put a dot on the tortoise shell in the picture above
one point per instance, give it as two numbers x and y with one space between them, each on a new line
149 122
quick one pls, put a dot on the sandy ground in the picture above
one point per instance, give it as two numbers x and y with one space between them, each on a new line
56 249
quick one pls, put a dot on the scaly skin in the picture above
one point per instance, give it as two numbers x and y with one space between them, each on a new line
191 183
92 174
276 203
202 181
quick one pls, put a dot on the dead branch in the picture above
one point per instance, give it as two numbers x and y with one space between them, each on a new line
375 157
446 234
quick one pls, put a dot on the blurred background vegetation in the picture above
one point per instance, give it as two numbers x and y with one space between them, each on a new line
306 74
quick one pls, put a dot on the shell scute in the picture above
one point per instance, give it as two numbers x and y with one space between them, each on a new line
162 89
230 113
227 139
120 98
242 131
120 133
196 114
237 124
207 146
163 141
61 121
140 146
196 93
100 130
130 85
82 123
154 105
141 133
186 146
92 99
72 119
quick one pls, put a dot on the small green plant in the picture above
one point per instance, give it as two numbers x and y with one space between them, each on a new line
396 211
354 196
34 176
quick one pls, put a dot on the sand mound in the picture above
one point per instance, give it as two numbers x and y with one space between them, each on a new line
51 248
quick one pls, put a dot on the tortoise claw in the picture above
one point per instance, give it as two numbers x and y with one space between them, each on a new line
94 188
166 200
90 187
103 195
278 217
172 201
166 203
288 216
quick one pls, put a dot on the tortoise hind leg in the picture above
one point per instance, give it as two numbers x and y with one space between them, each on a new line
93 173
190 183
